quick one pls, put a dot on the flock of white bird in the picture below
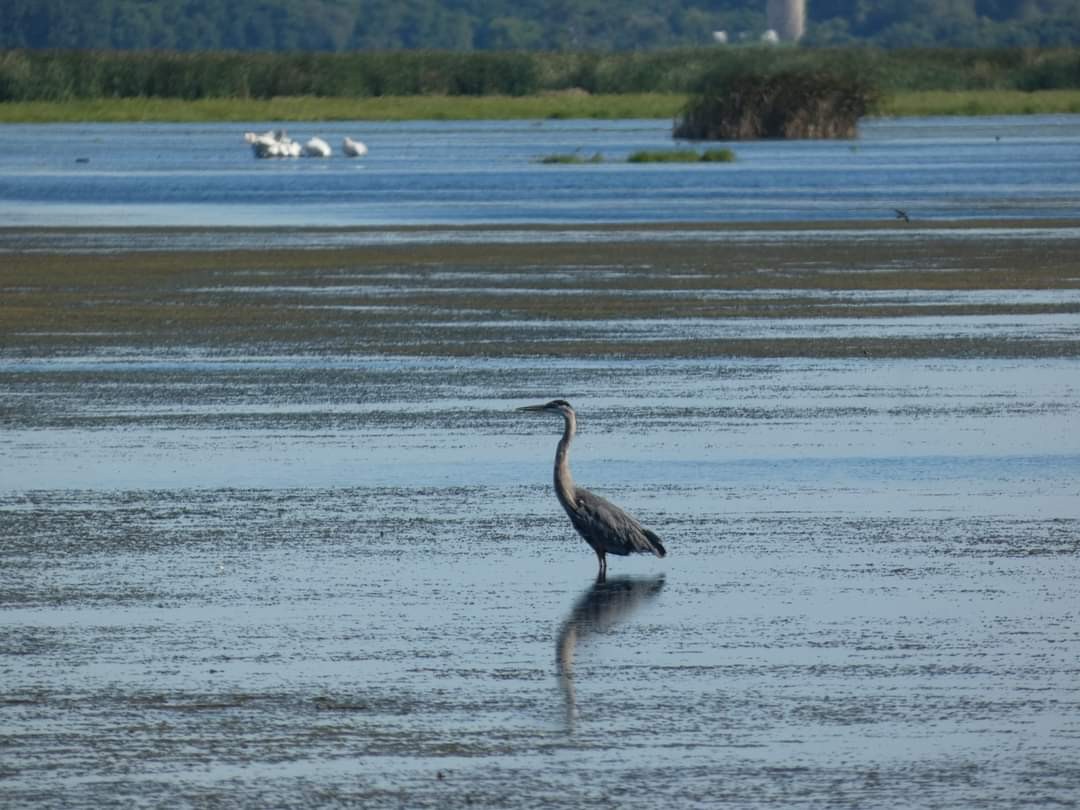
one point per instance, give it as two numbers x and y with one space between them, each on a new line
277 143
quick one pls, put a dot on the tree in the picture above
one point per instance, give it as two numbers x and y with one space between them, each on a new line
549 25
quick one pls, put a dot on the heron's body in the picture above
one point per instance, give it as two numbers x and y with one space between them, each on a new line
603 525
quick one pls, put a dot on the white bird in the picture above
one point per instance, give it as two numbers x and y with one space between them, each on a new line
265 137
317 147
265 148
353 148
261 145
275 143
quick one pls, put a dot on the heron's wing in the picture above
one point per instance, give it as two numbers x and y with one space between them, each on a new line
608 528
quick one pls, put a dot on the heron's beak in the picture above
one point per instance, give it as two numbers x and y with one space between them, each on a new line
532 409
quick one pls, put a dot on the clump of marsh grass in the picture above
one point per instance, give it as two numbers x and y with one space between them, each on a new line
572 158
720 155
723 155
750 102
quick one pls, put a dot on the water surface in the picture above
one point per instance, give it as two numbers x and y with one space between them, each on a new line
487 172
272 534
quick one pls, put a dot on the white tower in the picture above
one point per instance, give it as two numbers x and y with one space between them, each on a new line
787 18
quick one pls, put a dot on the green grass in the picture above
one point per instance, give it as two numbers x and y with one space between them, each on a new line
383 108
572 158
682 156
981 102
547 106
718 156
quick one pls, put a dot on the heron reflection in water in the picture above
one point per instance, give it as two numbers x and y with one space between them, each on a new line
603 525
598 610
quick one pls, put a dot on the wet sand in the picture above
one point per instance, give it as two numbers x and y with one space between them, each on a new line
271 533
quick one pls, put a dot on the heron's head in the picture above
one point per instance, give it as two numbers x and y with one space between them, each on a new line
557 406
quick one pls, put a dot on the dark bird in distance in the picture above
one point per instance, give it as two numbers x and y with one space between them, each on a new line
902 214
603 525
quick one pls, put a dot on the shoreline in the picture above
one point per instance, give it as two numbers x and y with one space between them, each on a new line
554 106
319 243
1012 223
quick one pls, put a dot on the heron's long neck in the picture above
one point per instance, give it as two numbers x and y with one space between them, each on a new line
564 482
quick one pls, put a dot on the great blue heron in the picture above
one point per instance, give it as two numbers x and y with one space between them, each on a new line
605 527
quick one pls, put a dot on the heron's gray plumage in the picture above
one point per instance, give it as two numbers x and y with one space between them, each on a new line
603 525
610 527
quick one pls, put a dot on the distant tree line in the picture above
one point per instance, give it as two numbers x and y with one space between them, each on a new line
534 25
27 75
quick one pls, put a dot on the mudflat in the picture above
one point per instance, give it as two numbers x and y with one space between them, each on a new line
272 533
427 296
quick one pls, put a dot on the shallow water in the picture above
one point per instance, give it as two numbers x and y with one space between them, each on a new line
271 533
487 172
297 572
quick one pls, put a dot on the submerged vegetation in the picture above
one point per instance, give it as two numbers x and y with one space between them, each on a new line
83 301
722 155
682 156
572 158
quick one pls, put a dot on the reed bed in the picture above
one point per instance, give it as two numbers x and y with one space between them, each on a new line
383 108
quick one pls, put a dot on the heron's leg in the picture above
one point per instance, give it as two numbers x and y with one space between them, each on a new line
601 575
